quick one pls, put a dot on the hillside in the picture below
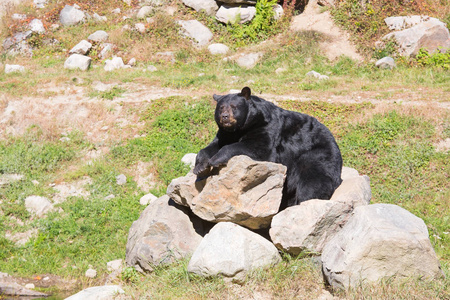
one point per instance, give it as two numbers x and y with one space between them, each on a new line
67 134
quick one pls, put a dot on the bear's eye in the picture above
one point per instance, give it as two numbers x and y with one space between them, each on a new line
233 106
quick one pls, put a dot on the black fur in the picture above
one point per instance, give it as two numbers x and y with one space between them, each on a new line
249 125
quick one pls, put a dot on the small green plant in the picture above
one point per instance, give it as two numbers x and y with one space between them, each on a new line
129 274
437 59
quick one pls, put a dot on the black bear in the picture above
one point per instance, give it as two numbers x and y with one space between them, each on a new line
252 126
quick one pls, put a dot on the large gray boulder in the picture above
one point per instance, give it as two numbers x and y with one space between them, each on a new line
199 33
99 36
379 241
307 227
232 251
245 192
425 32
163 233
71 16
208 6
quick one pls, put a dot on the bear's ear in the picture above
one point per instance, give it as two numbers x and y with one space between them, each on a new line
216 97
246 92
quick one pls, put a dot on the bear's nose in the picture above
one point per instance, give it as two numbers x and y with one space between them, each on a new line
225 116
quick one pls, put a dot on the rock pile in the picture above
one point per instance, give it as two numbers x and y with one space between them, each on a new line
240 201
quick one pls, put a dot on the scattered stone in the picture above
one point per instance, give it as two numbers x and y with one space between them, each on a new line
91 273
280 70
121 179
106 50
189 159
317 75
353 191
99 36
30 286
147 199
114 265
218 49
71 16
77 61
232 251
386 63
99 18
19 17
249 61
37 26
144 12
113 64
164 232
379 241
307 227
140 27
10 42
199 33
132 62
98 292
109 197
116 11
40 3
82 48
443 146
404 22
10 178
74 189
208 6
14 69
278 11
232 15
38 205
21 238
152 68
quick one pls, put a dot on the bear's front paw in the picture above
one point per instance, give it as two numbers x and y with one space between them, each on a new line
200 168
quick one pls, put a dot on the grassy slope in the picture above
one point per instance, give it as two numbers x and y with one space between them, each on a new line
393 144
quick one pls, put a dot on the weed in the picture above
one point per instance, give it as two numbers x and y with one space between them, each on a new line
437 59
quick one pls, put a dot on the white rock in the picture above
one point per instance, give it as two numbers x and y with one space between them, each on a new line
121 179
140 27
208 6
353 191
386 63
218 49
14 69
278 11
99 18
82 47
189 159
348 173
249 61
152 68
116 11
71 16
132 62
38 205
147 199
200 34
19 17
37 26
232 251
144 12
99 36
77 61
114 265
91 273
29 286
104 292
229 14
113 64
106 50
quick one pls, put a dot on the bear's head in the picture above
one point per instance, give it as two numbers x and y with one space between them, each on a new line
232 110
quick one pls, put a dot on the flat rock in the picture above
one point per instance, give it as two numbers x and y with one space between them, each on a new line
385 63
14 69
98 293
99 36
249 61
82 48
199 33
218 49
16 290
379 241
232 251
38 205
113 64
37 26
